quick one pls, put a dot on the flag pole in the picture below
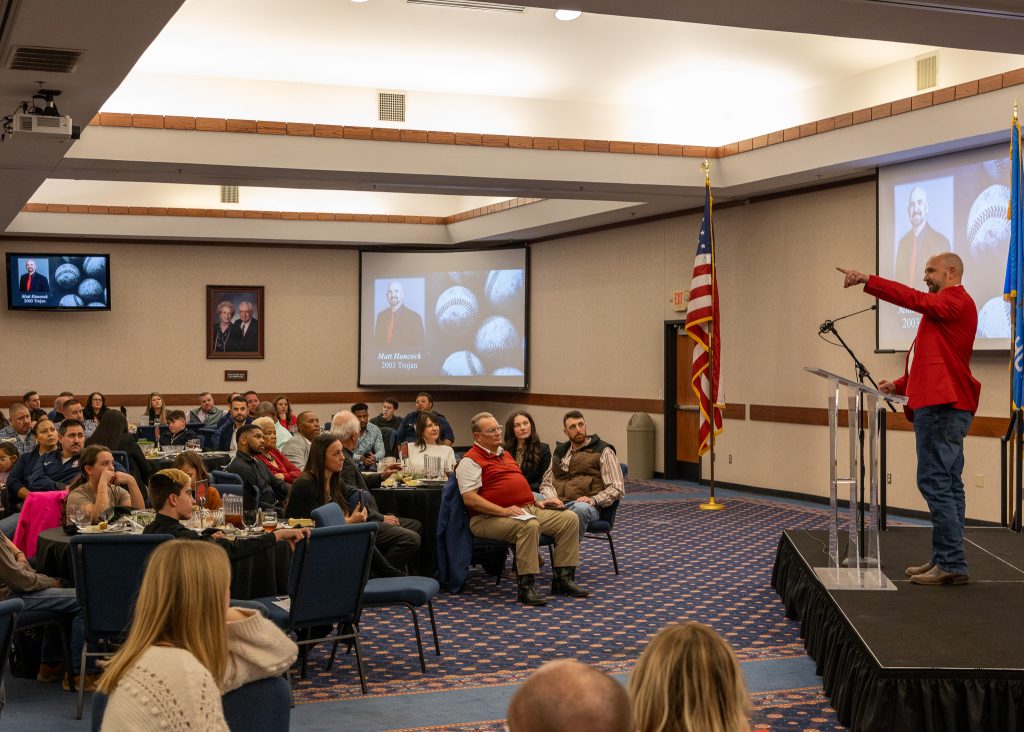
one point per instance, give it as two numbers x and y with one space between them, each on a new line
711 504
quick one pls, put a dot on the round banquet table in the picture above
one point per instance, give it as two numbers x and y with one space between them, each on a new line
212 461
260 575
423 504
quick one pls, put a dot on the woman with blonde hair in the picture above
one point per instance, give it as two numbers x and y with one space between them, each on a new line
688 680
187 647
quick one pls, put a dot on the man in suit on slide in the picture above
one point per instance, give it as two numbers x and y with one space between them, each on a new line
32 281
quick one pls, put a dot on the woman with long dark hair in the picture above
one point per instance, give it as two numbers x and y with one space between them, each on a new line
320 482
522 443
283 407
112 431
95 407
428 444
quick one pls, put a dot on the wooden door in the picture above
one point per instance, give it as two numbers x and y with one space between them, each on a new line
682 413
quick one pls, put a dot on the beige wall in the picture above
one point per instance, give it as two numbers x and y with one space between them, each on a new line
599 302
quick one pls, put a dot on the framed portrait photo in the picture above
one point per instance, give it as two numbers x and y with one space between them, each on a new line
234 321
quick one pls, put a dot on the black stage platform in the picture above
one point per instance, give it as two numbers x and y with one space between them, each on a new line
920 658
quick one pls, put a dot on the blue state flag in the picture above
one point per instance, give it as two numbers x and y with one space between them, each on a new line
1013 286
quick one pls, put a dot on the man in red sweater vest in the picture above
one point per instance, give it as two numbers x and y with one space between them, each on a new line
502 506
943 397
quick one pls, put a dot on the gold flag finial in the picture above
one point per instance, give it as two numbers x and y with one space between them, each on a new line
706 167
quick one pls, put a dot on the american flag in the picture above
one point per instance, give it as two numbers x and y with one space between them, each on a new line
702 325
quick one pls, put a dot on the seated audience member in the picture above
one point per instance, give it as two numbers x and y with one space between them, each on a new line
57 413
176 433
95 407
284 414
387 417
4 422
57 469
278 465
102 488
424 403
584 474
252 472
32 400
112 431
320 484
156 410
19 481
37 414
370 447
8 459
428 434
239 415
73 409
172 495
688 680
252 400
20 429
522 443
266 409
43 597
191 464
494 491
207 413
569 695
170 674
307 426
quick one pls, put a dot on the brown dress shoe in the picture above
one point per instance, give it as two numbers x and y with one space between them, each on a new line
939 576
911 571
50 672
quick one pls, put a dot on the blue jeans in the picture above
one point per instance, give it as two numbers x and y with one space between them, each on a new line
9 525
940 432
585 513
56 603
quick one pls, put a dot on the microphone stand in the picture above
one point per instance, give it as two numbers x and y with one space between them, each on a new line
862 373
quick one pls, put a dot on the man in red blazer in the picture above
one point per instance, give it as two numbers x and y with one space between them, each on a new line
943 399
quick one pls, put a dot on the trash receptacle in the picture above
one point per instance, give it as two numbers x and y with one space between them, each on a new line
640 446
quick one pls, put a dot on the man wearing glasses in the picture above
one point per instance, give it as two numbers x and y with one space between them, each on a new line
584 475
502 507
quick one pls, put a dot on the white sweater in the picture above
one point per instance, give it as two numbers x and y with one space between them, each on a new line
168 690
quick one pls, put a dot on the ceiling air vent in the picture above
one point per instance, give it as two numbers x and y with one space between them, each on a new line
391 106
229 194
471 5
927 72
47 60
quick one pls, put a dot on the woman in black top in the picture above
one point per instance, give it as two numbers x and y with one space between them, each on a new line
320 482
521 442
95 407
112 431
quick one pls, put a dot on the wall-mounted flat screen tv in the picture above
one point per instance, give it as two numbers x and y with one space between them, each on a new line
58 281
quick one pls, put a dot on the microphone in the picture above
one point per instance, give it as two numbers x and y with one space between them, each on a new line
827 325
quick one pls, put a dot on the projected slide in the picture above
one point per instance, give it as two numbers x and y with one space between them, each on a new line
57 282
954 203
443 318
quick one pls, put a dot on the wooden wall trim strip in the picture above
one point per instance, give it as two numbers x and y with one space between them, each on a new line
222 213
566 401
818 417
612 147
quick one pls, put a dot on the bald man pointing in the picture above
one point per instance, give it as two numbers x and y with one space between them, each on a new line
943 396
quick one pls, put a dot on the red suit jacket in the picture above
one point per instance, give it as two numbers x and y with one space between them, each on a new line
941 369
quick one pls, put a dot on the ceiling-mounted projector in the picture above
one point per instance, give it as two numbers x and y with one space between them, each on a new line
25 123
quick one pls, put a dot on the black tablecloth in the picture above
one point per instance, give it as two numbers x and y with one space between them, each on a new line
212 461
422 504
260 575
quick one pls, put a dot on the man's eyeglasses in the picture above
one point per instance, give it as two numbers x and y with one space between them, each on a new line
492 431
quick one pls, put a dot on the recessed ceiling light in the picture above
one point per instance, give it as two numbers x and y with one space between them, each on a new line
568 14
359 1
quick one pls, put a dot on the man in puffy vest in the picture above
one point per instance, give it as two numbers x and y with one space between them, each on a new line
584 475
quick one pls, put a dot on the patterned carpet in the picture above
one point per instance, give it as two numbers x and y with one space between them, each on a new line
677 563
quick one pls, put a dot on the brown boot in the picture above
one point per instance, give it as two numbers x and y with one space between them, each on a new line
562 583
528 591
912 571
939 576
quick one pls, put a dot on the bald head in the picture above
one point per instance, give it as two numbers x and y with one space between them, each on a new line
564 696
943 270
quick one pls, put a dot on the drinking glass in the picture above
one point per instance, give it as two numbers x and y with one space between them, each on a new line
192 445
251 518
80 516
269 520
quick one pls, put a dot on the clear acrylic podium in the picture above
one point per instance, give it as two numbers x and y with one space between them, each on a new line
862 568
